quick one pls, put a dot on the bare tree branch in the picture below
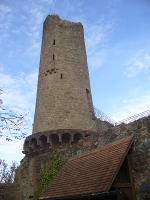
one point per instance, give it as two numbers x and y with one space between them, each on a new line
11 123
7 173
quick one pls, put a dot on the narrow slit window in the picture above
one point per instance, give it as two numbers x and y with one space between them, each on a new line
53 57
87 93
61 76
53 42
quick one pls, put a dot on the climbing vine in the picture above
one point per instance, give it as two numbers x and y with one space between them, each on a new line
49 173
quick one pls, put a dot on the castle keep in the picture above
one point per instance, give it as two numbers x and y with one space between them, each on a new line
64 122
64 109
64 96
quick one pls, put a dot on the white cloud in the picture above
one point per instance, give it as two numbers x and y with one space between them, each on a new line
97 33
10 151
4 10
131 107
33 31
36 13
138 64
19 94
96 60
47 1
19 90
74 11
5 20
96 40
28 26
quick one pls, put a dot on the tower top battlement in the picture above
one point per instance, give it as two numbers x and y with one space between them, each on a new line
57 20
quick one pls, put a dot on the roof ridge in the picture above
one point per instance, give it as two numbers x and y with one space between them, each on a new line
102 148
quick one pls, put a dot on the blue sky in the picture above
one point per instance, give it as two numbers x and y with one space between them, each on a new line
117 37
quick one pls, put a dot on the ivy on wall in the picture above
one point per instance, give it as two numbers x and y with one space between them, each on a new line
49 173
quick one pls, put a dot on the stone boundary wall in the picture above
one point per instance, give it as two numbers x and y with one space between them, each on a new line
7 192
139 155
27 177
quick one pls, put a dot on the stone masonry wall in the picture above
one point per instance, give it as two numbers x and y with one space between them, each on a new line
27 175
140 154
64 98
7 192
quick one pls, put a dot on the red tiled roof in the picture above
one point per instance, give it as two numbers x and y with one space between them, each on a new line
91 172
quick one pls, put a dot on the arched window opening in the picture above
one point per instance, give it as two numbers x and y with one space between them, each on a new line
54 42
43 140
55 139
66 138
77 137
33 142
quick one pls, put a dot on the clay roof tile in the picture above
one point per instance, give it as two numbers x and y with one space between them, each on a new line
88 173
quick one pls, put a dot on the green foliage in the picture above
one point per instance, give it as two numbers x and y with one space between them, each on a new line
49 173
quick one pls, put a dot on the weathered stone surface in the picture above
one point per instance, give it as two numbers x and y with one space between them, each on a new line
28 173
140 154
27 176
64 98
7 192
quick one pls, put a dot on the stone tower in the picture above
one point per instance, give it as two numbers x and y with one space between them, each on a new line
64 112
63 96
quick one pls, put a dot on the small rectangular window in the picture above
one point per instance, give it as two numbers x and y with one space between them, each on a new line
61 76
87 93
53 57
53 42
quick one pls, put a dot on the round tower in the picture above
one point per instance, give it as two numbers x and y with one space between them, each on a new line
64 111
63 96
